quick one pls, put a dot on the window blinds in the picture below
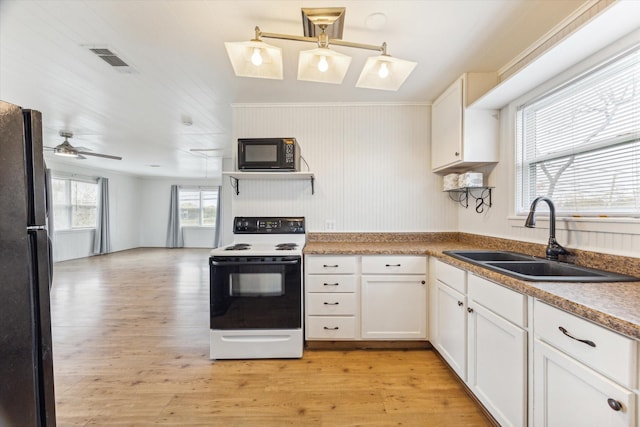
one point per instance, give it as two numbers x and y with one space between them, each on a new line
580 144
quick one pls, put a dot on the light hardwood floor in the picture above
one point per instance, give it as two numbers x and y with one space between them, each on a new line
131 347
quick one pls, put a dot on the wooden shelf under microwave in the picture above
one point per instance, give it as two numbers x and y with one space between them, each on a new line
275 176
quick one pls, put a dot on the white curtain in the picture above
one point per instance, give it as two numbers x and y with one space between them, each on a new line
217 239
101 239
174 231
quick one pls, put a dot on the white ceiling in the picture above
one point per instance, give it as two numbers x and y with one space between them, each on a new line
181 71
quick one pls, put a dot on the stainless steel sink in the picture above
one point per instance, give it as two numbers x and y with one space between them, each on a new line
526 267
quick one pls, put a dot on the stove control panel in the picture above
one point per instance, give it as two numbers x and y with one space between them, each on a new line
268 225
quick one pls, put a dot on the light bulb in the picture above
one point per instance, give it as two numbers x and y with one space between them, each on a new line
323 65
256 58
383 71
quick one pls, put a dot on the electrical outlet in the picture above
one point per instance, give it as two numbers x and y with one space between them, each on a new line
329 225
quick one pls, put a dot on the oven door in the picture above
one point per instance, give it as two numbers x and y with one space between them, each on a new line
255 292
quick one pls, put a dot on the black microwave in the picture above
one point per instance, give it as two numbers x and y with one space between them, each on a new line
268 154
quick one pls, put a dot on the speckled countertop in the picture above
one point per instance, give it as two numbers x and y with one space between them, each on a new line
614 305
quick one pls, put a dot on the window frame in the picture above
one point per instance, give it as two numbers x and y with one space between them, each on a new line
200 191
522 166
68 204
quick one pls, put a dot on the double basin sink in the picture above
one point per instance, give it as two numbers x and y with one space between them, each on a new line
530 268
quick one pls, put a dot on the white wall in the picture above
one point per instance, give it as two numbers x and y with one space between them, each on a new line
371 164
139 214
123 215
619 236
154 213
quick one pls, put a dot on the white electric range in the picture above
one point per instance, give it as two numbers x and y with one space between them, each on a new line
256 290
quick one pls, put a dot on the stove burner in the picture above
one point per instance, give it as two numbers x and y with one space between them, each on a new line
286 246
238 247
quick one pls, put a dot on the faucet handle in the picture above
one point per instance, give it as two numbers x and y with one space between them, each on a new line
554 249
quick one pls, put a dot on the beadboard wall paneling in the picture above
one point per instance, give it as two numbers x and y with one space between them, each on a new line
370 161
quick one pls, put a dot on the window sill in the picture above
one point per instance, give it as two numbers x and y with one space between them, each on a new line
615 225
73 230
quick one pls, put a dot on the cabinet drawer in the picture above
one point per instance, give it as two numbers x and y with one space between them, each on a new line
327 304
331 264
331 283
606 351
331 328
400 264
450 276
503 301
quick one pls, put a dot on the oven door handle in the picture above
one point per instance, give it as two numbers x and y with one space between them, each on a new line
232 263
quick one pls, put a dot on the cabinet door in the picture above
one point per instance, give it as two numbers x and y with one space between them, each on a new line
567 393
451 327
394 307
446 127
497 364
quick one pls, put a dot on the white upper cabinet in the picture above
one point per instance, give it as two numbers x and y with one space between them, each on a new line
463 137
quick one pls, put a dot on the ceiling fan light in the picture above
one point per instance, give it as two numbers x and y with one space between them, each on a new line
374 76
65 152
311 64
255 59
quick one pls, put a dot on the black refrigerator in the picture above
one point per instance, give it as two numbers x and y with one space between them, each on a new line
26 360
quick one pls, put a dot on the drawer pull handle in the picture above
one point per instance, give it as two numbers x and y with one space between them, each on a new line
460 303
331 284
331 303
330 266
587 342
393 265
326 328
614 404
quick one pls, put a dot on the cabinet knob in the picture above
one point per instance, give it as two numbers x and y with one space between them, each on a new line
469 310
423 282
457 154
614 404
460 303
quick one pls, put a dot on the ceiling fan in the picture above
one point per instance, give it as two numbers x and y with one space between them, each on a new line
67 150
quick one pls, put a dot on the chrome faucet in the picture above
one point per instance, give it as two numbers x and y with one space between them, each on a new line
553 247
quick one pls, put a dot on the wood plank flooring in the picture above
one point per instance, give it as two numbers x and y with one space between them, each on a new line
131 347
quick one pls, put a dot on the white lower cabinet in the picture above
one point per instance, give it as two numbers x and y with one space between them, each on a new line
450 329
583 373
394 297
331 297
497 365
567 393
394 308
368 297
480 331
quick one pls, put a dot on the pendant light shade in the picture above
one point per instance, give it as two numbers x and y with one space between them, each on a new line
255 58
322 65
385 72
322 26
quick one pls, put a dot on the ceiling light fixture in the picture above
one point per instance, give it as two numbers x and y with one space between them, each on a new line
259 60
66 149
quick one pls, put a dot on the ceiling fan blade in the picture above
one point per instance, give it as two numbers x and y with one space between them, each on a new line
80 157
106 156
